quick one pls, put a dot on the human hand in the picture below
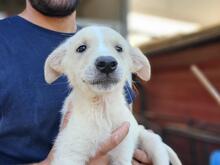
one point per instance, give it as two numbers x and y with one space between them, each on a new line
101 157
140 158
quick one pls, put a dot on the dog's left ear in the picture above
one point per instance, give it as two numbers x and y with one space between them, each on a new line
141 65
53 66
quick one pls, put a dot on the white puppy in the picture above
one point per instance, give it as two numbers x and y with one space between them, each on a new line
97 62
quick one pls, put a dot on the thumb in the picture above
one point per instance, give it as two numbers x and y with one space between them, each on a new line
114 140
66 116
65 120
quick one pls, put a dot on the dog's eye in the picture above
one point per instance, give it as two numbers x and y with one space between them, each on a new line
81 48
118 48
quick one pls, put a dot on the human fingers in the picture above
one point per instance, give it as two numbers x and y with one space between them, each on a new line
135 162
65 120
115 139
99 160
141 156
67 115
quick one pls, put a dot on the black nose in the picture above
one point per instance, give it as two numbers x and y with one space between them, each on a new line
106 64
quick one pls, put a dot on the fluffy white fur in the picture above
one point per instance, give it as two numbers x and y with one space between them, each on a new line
98 110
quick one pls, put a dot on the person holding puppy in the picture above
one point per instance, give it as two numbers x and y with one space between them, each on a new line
29 108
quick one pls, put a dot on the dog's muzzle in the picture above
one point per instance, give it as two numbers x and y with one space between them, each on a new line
107 75
106 64
104 74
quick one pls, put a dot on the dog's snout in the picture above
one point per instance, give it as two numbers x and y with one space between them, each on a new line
106 64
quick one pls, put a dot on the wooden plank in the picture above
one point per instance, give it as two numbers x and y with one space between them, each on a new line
205 35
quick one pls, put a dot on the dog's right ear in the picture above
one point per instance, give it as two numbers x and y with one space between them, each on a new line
53 65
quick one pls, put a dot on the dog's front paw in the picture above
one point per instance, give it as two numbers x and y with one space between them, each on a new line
158 152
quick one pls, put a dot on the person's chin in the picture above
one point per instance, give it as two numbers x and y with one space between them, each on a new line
46 9
58 14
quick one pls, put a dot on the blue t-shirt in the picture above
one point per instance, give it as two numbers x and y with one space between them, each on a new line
29 107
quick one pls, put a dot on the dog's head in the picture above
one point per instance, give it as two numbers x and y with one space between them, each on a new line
96 59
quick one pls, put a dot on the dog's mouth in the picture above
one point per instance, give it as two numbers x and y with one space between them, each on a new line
103 83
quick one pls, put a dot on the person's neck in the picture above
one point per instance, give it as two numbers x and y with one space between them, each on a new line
65 24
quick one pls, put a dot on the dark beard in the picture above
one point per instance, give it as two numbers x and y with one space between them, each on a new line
55 8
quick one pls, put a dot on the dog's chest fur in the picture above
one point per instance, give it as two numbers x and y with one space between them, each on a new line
91 122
